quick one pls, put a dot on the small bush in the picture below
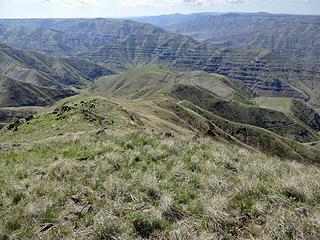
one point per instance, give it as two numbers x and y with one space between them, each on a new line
243 203
13 225
144 225
173 214
294 194
17 198
108 231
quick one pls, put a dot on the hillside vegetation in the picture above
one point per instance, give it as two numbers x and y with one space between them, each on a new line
217 94
152 81
100 168
12 113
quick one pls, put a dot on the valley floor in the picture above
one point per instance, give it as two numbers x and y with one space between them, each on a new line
73 174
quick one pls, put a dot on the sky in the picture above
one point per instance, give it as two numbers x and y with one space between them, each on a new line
130 8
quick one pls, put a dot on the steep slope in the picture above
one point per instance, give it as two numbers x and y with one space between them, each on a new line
42 70
263 140
284 35
68 37
46 40
306 114
250 135
263 73
86 69
156 46
274 121
34 79
11 114
217 94
14 93
294 37
296 108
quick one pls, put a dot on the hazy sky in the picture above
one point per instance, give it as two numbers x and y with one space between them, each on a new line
124 8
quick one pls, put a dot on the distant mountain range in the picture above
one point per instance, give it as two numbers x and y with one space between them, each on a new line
123 44
285 35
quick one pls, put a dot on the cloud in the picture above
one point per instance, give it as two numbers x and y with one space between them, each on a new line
212 2
135 3
129 2
74 3
148 3
156 3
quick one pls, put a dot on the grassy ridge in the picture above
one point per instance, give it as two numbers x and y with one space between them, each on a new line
261 139
100 168
274 121
152 81
222 96
280 104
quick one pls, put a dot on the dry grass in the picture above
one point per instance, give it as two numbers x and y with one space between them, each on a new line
146 185
130 181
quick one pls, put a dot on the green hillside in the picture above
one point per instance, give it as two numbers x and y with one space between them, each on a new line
152 81
94 167
275 103
14 93
220 95
292 107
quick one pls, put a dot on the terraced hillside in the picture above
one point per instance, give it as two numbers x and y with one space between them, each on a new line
42 70
68 37
14 93
263 73
285 35
123 44
95 167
